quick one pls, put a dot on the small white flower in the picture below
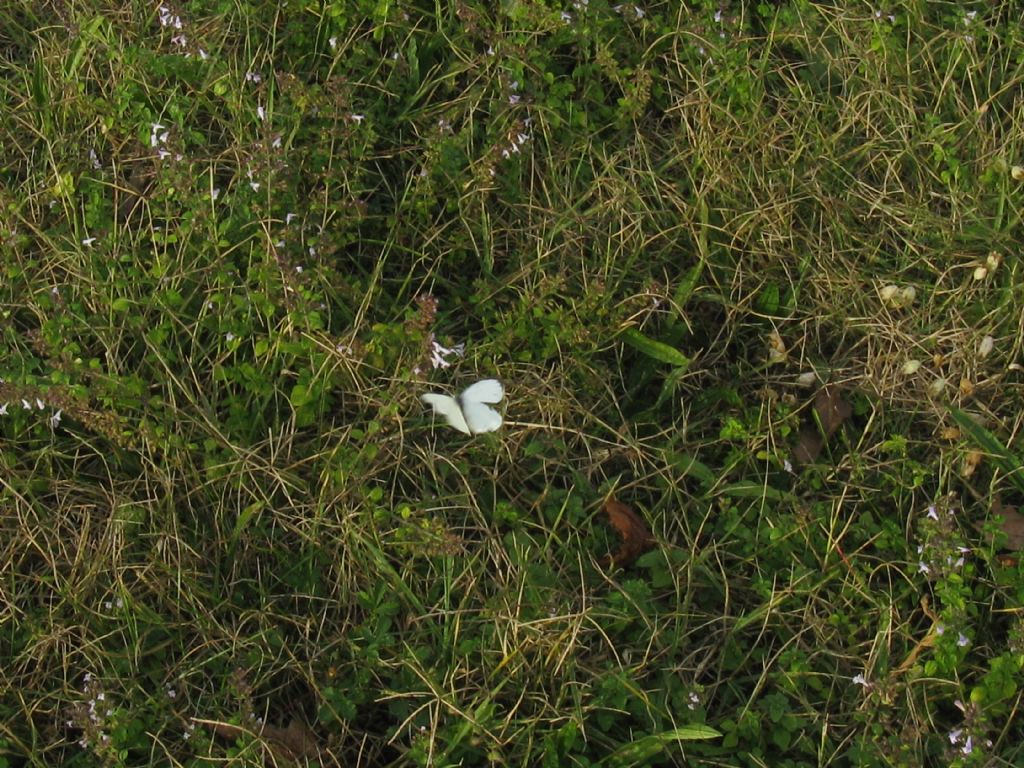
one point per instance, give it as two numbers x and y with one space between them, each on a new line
937 387
932 513
954 735
40 404
26 405
356 118
261 113
215 194
203 54
311 250
922 567
807 379
3 409
229 336
718 16
255 186
253 77
860 680
276 143
332 41
986 346
288 218
87 242
787 465
514 99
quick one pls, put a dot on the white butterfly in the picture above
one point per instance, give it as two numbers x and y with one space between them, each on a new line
468 411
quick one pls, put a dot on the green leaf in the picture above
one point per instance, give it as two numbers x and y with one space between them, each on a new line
656 350
750 490
640 752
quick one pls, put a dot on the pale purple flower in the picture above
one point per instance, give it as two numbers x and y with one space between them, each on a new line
859 679
932 513
962 640
253 77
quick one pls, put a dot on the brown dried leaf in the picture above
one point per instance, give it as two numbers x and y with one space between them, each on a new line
831 411
972 460
1012 525
636 536
296 743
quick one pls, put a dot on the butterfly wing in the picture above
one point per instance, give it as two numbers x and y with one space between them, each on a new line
480 418
448 407
484 391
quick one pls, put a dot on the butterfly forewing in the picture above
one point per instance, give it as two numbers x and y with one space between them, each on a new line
485 391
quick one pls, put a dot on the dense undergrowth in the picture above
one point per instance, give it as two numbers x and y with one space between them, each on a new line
240 239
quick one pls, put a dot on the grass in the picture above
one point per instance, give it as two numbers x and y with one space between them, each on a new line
234 234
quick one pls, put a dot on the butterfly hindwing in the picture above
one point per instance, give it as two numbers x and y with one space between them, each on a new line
480 417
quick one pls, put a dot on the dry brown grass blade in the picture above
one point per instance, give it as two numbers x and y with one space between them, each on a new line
636 536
